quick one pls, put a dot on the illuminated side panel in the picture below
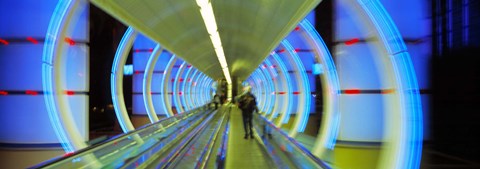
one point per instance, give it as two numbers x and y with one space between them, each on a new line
265 89
273 85
286 111
189 89
117 80
281 83
195 86
184 87
147 83
176 93
57 58
418 41
256 87
329 129
143 48
303 85
200 90
209 91
203 90
165 100
403 116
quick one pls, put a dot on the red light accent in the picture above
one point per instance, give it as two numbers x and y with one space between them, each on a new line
150 50
31 92
137 72
352 41
181 80
189 66
295 93
34 41
69 92
115 143
70 41
68 154
137 50
296 50
351 91
281 92
281 51
4 41
388 91
173 79
297 28
189 80
3 93
180 93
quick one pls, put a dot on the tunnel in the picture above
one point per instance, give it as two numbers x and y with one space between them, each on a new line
349 98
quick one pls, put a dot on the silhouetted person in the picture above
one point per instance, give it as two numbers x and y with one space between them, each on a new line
247 103
216 101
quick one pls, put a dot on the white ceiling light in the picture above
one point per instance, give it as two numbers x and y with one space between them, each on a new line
206 11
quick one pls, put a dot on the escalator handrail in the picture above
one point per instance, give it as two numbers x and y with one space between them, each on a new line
222 155
140 155
113 139
296 144
174 153
206 152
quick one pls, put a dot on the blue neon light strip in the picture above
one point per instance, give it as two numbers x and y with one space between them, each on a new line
203 91
175 91
265 90
117 97
261 91
409 147
306 86
256 88
147 86
289 94
57 23
185 92
331 88
272 86
281 83
208 89
190 90
162 86
195 90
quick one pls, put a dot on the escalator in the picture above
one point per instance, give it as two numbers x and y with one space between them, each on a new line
201 138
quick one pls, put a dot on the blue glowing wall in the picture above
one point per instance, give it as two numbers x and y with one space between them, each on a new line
363 92
23 116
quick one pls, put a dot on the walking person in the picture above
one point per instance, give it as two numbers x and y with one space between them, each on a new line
216 101
247 103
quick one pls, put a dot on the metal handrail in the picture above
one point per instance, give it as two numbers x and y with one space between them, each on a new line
206 153
189 138
222 154
188 132
113 139
297 145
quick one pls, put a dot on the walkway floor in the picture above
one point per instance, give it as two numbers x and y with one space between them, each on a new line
244 153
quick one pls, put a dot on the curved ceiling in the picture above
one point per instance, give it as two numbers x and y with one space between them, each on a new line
249 29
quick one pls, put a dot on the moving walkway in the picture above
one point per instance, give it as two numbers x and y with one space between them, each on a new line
201 138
